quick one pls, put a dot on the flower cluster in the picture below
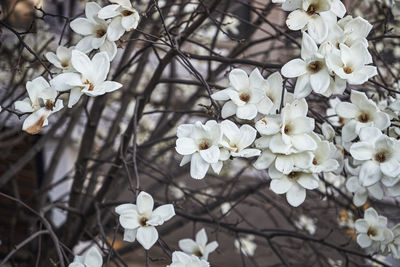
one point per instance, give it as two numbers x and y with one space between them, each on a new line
79 74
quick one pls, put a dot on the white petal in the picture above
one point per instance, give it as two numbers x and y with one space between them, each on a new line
284 164
265 160
303 142
222 95
130 22
125 208
320 81
369 173
166 212
364 241
210 155
81 62
228 109
347 110
247 136
102 63
82 26
130 235
144 203
369 134
34 122
317 29
185 146
24 105
93 258
352 184
246 112
91 10
308 47
85 44
294 68
65 81
239 79
147 236
296 195
281 185
360 198
198 166
110 48
361 225
115 29
308 181
74 96
201 238
297 20
129 220
362 151
109 11
187 245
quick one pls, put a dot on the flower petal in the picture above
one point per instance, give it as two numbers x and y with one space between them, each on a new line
294 68
147 236
296 195
198 166
239 79
144 203
166 212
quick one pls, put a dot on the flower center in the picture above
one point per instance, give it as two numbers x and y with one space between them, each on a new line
312 9
204 145
363 117
372 231
286 130
380 157
91 86
347 70
126 13
49 104
341 121
143 221
315 66
244 97
100 33
198 253
315 161
64 64
293 175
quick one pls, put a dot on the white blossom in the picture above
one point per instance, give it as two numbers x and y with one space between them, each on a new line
199 248
361 193
62 58
199 144
90 78
92 258
41 103
140 220
306 223
180 259
246 245
246 96
124 16
361 112
98 34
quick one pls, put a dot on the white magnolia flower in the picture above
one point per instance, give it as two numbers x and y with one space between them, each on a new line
306 223
124 16
361 193
294 184
92 258
199 144
372 232
361 112
98 34
245 97
308 16
378 154
90 79
62 58
140 220
289 130
311 70
246 245
199 248
394 246
180 259
323 156
237 141
41 103
350 63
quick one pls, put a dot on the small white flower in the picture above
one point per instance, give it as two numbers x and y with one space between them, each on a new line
40 103
245 97
306 223
199 144
311 70
323 156
378 154
351 63
294 185
372 232
92 258
140 220
361 193
90 79
199 248
180 259
237 141
246 245
124 16
62 58
98 34
361 112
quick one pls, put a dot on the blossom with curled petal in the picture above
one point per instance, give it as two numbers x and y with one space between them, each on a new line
98 34
378 155
92 258
89 78
181 259
245 97
361 193
41 103
199 145
140 220
199 248
124 16
372 231
294 184
361 112
311 70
